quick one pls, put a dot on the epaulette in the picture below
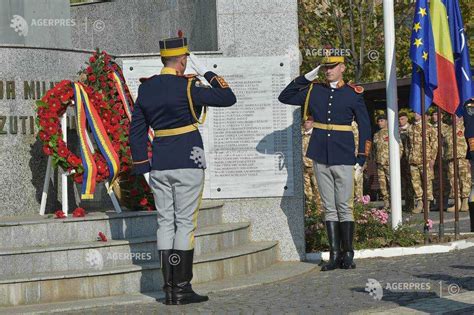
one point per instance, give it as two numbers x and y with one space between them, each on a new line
143 79
357 88
190 76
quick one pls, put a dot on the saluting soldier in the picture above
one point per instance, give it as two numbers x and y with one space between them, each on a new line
171 104
334 105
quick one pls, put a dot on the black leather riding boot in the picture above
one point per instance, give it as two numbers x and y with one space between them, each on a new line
182 275
332 228
347 236
167 270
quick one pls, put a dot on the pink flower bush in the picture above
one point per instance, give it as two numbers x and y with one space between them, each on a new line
429 223
379 215
364 199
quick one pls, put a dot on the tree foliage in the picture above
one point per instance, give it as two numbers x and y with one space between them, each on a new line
356 25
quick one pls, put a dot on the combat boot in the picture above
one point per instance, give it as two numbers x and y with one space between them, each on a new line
471 215
453 207
464 205
347 236
418 207
167 270
182 274
332 228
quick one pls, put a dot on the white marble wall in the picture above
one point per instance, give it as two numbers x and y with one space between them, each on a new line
267 28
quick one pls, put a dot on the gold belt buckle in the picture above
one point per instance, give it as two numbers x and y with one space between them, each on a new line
329 126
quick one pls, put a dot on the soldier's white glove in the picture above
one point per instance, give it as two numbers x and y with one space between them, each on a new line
147 178
358 170
313 74
197 65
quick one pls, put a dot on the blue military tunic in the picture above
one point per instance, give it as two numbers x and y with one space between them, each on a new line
163 104
332 108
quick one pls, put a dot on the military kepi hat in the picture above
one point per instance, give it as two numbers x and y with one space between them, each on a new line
172 47
332 60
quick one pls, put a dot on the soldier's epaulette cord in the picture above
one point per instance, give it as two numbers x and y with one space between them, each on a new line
357 88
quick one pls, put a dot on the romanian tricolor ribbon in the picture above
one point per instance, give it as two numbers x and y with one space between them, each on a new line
86 113
127 105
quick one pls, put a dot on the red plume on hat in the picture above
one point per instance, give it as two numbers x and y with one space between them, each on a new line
180 34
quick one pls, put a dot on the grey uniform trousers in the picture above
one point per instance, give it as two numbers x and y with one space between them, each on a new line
177 195
336 187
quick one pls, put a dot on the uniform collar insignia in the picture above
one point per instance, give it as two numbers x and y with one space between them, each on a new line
339 84
168 70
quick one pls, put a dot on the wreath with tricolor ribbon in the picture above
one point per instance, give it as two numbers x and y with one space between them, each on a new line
103 107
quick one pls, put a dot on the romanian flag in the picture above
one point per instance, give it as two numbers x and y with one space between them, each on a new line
446 96
460 40
423 57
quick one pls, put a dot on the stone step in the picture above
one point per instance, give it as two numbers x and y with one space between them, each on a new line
96 255
276 272
42 231
51 287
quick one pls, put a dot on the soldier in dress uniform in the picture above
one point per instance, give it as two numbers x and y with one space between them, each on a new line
407 189
310 185
171 104
334 105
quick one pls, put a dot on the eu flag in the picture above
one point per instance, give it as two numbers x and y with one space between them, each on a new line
459 41
423 56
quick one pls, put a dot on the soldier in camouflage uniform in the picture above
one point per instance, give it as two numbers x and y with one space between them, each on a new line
444 174
359 178
415 159
464 176
381 157
310 185
407 189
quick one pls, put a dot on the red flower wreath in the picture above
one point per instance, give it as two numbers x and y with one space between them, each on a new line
105 99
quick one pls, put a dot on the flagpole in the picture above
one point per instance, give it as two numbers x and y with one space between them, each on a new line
392 113
456 176
440 177
425 168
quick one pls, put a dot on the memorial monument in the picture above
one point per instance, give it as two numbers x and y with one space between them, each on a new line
254 149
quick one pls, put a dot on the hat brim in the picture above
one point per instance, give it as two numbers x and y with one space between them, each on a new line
330 64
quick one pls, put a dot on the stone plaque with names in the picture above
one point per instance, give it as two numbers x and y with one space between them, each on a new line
249 145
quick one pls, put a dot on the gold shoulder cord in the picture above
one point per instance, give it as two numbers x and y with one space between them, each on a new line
306 103
191 105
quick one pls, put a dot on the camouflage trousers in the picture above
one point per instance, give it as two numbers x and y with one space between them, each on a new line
383 174
464 178
311 191
417 181
359 186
